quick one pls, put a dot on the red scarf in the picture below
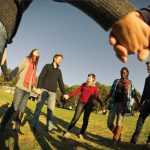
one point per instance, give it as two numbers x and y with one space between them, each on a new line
31 68
126 83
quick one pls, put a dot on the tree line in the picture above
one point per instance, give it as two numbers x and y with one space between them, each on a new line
72 102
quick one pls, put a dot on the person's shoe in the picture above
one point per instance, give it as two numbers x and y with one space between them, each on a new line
34 129
81 136
67 134
50 131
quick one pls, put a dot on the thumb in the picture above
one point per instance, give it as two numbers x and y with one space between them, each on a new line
143 54
112 39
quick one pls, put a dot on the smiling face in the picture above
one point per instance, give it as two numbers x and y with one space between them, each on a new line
124 74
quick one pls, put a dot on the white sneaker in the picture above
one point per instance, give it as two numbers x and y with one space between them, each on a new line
81 136
67 134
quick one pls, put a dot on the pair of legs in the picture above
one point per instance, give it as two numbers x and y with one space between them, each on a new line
87 108
116 112
145 111
19 103
51 100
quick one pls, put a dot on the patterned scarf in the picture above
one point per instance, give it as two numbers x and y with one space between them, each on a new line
31 69
126 84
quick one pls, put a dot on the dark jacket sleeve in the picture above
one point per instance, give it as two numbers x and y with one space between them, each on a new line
104 12
61 83
42 76
145 12
144 93
23 4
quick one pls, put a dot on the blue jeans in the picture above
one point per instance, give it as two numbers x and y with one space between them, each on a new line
116 111
19 103
51 100
3 40
20 99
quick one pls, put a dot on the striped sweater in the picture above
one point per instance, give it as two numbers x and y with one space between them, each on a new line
10 15
104 12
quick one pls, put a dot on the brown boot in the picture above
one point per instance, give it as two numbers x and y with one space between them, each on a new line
18 122
117 134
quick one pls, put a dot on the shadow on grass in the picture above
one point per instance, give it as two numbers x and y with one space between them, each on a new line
54 141
99 140
107 142
8 137
3 108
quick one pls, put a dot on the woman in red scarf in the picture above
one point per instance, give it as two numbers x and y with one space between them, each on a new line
27 77
121 93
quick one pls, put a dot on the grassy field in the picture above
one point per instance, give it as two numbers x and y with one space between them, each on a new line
98 137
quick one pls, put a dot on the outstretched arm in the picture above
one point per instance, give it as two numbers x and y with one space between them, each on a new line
130 34
104 12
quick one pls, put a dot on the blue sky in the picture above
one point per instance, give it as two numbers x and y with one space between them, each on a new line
60 28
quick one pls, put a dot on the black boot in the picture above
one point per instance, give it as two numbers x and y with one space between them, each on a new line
6 117
18 122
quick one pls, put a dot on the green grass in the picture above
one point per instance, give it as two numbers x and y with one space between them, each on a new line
98 136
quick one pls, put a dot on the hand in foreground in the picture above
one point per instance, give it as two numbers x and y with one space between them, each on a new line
129 36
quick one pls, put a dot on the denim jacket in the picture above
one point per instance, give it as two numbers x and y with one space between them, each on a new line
131 94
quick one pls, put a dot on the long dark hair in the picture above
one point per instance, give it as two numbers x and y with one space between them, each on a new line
31 55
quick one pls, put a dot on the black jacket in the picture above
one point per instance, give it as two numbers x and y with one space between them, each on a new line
146 91
49 78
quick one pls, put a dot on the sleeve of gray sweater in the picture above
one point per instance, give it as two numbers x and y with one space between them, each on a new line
104 12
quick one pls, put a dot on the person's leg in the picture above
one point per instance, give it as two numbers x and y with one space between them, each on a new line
14 107
148 140
6 117
39 106
143 114
50 109
111 118
119 122
77 114
119 127
87 111
21 109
